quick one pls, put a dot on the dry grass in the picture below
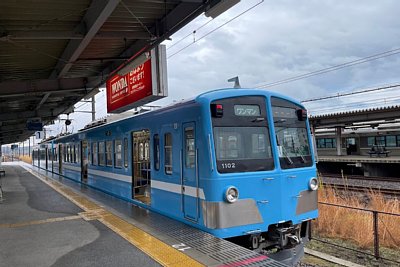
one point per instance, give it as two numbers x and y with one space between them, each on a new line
357 226
26 159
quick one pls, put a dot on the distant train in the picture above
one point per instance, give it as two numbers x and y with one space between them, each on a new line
237 163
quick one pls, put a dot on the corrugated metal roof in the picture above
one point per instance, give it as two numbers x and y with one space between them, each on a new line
356 112
52 53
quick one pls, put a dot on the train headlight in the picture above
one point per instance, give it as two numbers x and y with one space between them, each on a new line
313 184
231 194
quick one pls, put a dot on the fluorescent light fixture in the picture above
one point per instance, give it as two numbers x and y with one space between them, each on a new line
219 8
142 58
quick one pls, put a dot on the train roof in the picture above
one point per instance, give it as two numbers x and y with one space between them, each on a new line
203 98
232 92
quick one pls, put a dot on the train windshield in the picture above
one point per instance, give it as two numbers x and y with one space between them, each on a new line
291 134
241 135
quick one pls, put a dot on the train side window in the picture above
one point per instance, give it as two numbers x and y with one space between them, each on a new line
156 143
102 156
168 153
68 153
109 153
190 153
141 152
126 152
94 153
74 153
118 153
78 153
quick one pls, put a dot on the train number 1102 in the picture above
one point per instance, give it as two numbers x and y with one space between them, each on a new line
228 165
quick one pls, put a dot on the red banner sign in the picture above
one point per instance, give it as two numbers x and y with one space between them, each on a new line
132 87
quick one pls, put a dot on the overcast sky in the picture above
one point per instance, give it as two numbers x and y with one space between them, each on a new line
282 39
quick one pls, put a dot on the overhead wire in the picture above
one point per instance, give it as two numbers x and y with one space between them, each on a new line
368 100
220 26
333 68
351 93
372 103
188 35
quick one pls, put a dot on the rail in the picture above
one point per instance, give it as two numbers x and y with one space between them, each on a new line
360 177
375 230
385 191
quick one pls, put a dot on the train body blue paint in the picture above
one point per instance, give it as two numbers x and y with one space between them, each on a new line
237 163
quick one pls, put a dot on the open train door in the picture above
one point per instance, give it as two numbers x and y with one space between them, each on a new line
84 161
190 180
141 172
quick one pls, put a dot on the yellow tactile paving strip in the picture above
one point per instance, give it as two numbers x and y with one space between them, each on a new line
156 249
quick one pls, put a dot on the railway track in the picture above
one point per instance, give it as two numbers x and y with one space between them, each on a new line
361 177
357 183
363 189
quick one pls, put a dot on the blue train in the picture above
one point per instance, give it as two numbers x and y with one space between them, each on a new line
237 163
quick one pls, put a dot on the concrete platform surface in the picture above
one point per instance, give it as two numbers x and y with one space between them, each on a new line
40 227
49 220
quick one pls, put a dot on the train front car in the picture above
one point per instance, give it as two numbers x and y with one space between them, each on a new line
262 192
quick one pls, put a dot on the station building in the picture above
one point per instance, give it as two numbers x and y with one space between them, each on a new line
362 142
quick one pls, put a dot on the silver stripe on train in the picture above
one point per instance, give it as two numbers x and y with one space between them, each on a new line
170 187
177 188
120 177
73 168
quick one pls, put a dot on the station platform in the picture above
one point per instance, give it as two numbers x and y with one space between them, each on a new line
360 159
48 220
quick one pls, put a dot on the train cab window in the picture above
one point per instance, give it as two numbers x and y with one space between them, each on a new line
102 156
126 152
156 143
109 153
94 153
291 134
168 153
241 135
118 153
237 146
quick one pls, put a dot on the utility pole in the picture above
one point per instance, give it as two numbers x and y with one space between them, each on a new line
93 109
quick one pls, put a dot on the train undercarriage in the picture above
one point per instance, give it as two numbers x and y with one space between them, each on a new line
283 242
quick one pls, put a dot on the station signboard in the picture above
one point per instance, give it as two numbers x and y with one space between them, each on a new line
144 83
34 124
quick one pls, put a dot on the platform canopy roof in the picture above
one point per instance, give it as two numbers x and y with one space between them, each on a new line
53 53
380 118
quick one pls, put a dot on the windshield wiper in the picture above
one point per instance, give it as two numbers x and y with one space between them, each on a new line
303 159
289 159
258 120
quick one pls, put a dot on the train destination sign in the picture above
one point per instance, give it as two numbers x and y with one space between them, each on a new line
144 83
